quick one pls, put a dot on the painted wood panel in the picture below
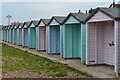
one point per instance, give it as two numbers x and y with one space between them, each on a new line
54 39
15 36
41 24
100 43
22 36
117 47
5 35
109 38
54 22
12 36
25 37
47 38
19 36
32 37
36 28
3 32
61 40
71 41
83 43
42 38
118 62
48 46
71 20
91 43
99 16
100 35
9 35
32 25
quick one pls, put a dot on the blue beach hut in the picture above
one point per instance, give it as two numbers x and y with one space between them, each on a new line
54 34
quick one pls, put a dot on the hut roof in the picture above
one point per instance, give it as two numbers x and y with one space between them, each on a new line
78 16
21 24
59 19
17 24
45 21
26 23
114 13
35 22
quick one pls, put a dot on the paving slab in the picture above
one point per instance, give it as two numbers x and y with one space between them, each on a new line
97 71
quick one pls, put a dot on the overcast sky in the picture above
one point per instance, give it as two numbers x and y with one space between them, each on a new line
27 11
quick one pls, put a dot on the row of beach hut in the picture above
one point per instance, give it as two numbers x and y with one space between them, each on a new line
94 38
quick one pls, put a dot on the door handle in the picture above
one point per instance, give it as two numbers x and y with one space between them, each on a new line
111 44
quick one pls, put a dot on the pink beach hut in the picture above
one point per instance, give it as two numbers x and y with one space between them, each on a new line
42 34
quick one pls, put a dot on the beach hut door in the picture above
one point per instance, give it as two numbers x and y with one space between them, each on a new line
110 49
113 47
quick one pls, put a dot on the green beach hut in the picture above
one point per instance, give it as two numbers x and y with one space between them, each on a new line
15 36
74 36
32 31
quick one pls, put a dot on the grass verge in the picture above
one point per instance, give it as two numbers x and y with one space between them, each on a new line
15 59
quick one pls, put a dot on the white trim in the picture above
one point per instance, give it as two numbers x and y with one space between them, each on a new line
87 28
96 25
38 38
116 45
46 38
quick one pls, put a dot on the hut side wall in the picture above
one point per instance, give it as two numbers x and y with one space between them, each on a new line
83 43
7 35
117 49
18 36
36 30
3 34
0 33
15 36
11 35
61 41
22 36
46 38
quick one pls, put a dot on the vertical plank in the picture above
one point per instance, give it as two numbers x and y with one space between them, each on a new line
117 47
83 43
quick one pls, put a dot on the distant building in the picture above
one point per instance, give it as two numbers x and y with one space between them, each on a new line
114 5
